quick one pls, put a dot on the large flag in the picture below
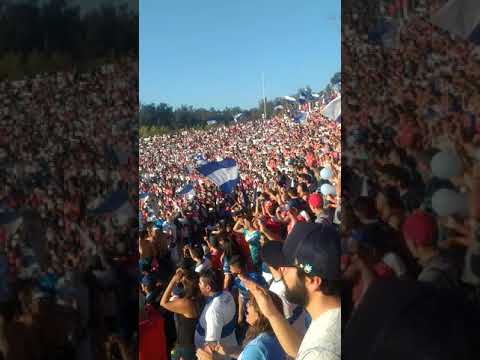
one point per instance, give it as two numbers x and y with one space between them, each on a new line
186 190
301 117
306 94
211 122
238 117
333 110
200 159
10 221
301 99
222 173
117 205
460 17
289 98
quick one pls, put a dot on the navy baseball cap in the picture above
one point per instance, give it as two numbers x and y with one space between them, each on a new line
314 249
272 254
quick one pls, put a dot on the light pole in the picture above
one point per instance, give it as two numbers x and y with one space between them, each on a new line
264 100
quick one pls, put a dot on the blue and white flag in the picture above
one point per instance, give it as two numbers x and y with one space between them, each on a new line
10 221
211 122
460 17
200 159
238 117
151 217
223 173
187 190
301 117
306 94
144 196
117 205
301 100
333 110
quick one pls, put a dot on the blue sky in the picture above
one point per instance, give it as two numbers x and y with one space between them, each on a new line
213 52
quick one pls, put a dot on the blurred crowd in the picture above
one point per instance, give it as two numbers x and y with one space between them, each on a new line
66 142
216 281
410 191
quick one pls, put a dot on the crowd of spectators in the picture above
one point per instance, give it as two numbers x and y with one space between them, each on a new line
213 273
67 276
410 193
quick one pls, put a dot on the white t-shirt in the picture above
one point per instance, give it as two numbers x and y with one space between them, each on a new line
323 338
278 287
204 265
216 314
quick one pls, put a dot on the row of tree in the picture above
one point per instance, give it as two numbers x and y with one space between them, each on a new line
161 118
44 36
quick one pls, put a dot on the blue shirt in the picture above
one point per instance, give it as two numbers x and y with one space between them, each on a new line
253 240
264 347
256 277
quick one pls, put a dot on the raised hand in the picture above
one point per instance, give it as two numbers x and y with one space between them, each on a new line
263 299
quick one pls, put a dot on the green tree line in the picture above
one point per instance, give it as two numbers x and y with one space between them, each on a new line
157 119
54 35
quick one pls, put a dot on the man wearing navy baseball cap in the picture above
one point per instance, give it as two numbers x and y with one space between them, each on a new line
310 265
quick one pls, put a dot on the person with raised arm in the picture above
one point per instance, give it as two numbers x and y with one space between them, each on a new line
311 272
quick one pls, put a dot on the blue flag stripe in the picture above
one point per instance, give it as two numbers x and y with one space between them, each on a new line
223 173
213 166
112 203
186 189
229 186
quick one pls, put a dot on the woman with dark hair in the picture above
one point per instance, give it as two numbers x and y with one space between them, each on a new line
260 341
249 229
230 248
185 304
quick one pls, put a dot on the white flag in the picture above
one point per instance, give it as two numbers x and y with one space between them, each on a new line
460 17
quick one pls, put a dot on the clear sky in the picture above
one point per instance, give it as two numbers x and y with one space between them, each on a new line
213 52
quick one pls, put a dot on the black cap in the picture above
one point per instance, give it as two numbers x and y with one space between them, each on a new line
313 248
272 254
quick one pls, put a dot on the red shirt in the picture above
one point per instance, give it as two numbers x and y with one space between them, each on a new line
310 159
245 249
273 225
152 340
215 258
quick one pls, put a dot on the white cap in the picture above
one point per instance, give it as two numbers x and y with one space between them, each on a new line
326 173
446 164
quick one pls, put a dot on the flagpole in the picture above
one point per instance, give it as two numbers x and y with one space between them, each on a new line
264 101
